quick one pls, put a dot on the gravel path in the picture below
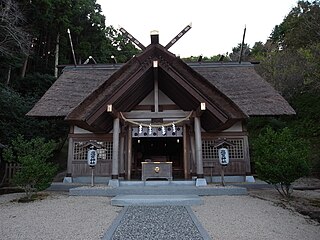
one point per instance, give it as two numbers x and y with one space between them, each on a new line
224 217
156 222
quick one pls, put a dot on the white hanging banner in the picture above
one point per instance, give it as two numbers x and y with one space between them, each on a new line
92 157
223 156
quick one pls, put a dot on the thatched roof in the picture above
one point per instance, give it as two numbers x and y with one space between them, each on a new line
70 89
232 90
253 95
247 89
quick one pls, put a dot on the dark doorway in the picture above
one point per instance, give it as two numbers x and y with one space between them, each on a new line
158 150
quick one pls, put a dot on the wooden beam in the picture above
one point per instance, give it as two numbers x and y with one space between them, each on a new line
176 38
200 110
198 95
147 115
132 38
121 91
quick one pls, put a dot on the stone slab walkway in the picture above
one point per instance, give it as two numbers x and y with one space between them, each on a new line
156 223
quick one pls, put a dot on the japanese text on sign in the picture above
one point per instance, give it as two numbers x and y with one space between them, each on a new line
223 156
92 157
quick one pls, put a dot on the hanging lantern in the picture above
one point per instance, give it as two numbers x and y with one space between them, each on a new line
140 129
150 129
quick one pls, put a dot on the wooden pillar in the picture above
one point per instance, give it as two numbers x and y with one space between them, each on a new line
70 152
193 154
115 149
186 166
156 86
246 154
70 157
198 147
121 165
129 151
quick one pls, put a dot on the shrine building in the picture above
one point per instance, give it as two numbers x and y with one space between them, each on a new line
158 109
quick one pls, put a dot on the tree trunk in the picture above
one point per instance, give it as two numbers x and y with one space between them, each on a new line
56 61
24 68
9 75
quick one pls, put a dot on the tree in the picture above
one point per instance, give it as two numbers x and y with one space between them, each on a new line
280 159
300 28
13 38
123 49
294 62
13 119
258 51
15 42
49 21
236 52
36 172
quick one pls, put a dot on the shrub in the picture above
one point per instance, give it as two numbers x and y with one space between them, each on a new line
280 159
36 173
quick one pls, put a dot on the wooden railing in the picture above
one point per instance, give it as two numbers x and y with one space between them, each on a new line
10 170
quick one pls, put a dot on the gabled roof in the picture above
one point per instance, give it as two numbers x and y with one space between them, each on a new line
245 87
134 81
231 91
70 89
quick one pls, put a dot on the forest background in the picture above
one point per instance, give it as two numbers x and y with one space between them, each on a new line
34 40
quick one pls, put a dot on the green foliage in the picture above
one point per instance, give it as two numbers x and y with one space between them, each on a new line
284 70
36 172
33 85
13 119
13 109
122 49
235 55
214 58
307 105
291 71
281 158
45 20
300 28
258 51
292 66
258 124
304 125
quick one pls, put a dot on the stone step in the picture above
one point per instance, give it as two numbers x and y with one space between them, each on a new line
157 183
156 200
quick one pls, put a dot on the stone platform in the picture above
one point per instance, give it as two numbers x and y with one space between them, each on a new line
157 188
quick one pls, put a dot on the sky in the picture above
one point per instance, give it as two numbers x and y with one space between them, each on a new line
217 25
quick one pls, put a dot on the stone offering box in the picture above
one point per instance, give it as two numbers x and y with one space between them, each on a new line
156 170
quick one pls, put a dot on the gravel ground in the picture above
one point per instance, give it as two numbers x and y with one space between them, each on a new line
157 222
245 217
60 216
57 217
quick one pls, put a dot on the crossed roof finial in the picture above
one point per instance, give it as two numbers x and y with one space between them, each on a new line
142 47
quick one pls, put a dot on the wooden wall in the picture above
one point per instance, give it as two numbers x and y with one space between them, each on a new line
239 164
78 161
